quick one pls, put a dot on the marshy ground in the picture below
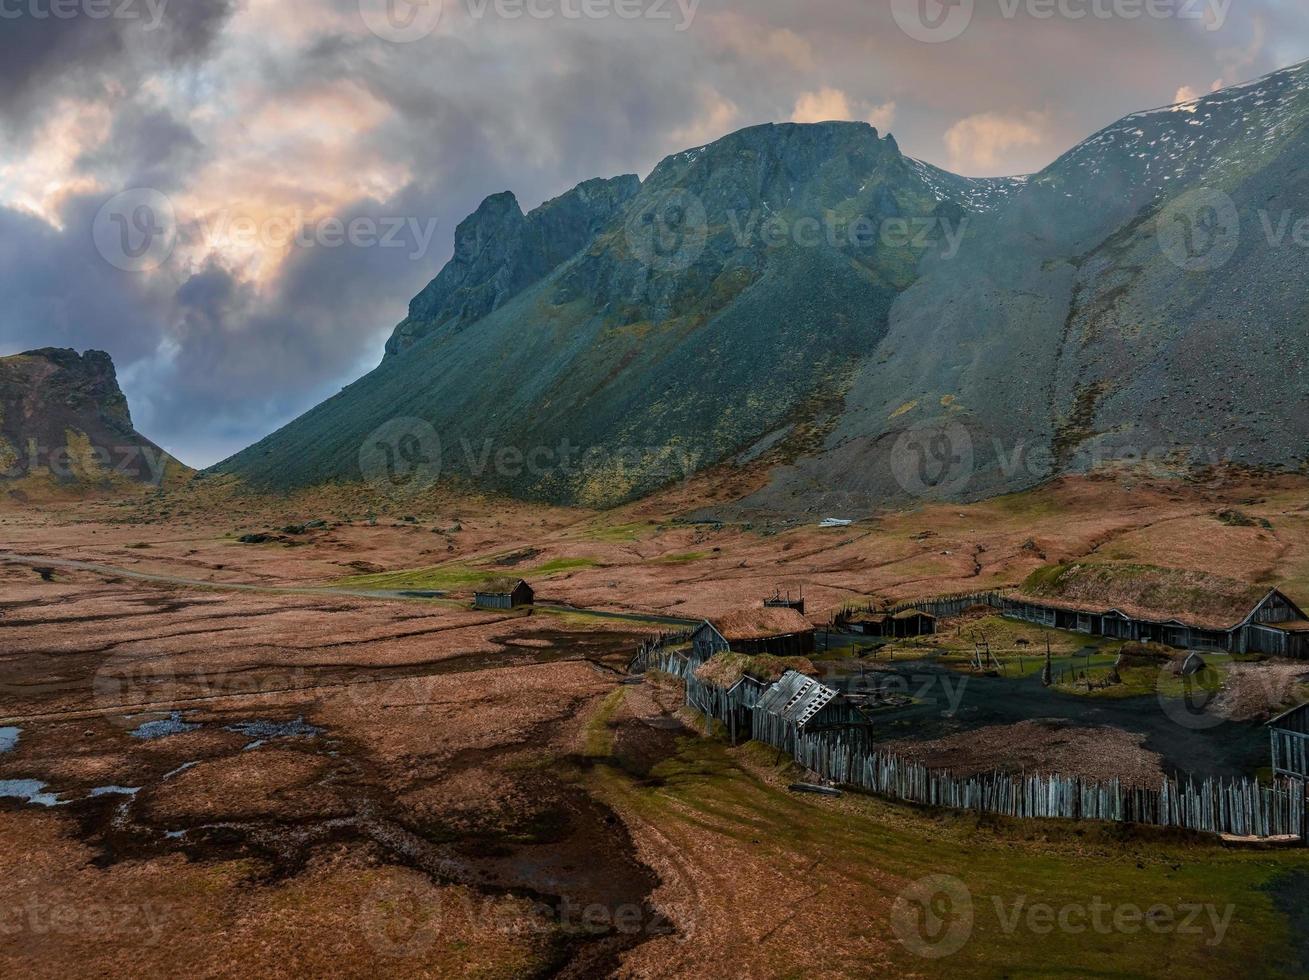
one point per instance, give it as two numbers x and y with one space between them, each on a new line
286 766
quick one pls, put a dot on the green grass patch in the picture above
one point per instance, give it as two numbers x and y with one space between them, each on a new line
599 736
460 576
1007 867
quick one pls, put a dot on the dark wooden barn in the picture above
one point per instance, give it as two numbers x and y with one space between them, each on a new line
1289 734
505 594
780 632
1178 608
901 625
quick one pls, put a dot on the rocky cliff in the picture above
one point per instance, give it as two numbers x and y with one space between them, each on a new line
65 421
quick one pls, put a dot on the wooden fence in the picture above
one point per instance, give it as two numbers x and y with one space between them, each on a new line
1239 807
942 607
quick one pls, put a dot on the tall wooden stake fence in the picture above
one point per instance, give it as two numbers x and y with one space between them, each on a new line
1239 807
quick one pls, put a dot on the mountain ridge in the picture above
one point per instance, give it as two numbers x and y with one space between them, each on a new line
682 325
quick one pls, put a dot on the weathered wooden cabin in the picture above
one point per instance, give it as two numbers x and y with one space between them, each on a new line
1178 608
505 594
781 632
900 625
798 705
1289 733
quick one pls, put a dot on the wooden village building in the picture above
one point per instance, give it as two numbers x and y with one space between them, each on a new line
781 632
1289 733
1190 610
798 705
899 625
505 594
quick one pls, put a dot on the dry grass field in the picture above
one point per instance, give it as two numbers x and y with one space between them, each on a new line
310 754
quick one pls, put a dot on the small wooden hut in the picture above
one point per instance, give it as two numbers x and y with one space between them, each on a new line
505 594
781 632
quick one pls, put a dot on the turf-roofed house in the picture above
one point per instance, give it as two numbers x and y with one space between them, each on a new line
505 594
782 632
1186 609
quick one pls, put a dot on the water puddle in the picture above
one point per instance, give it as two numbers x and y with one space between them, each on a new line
8 739
31 790
115 791
262 731
164 727
180 769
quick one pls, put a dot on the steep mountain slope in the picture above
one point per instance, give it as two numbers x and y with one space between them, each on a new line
64 422
499 251
871 327
1129 302
730 300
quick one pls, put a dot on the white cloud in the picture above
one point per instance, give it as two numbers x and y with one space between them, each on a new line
717 117
982 143
824 105
828 104
882 117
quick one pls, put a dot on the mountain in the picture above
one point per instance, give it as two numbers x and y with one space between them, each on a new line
806 299
64 423
697 319
1142 297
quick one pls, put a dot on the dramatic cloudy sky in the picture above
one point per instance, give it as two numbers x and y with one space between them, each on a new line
249 133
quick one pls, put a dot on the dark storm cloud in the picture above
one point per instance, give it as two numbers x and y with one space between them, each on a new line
44 56
58 292
149 146
264 106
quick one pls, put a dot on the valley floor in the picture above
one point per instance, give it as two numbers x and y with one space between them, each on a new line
309 755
